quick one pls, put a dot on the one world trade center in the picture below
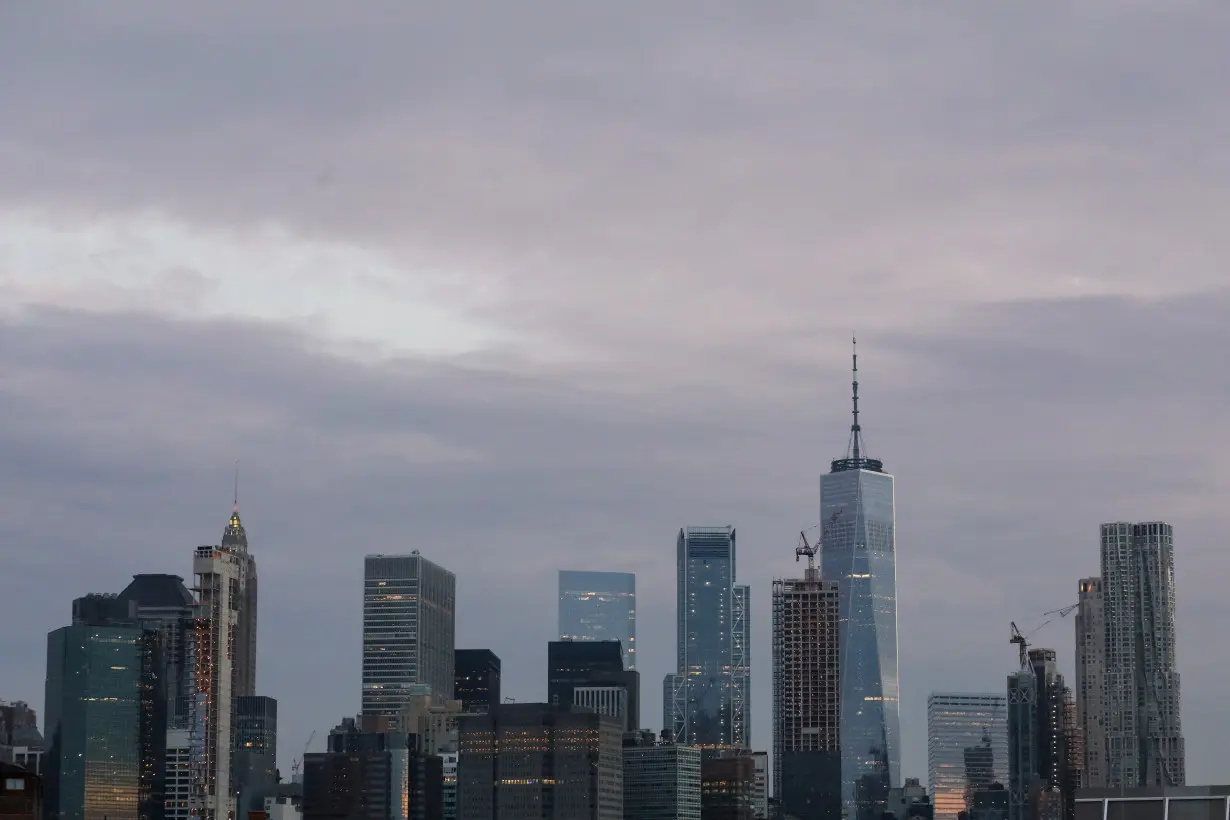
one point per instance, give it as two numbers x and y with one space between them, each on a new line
857 510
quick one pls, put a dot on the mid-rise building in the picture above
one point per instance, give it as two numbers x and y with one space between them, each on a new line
476 679
449 794
409 622
967 748
707 702
21 793
760 789
21 743
661 779
857 504
536 761
592 674
105 715
1141 710
433 721
599 606
806 696
728 786
1091 680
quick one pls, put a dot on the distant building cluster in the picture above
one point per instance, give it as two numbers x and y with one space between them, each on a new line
152 710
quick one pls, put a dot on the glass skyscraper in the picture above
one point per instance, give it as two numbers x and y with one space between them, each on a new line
707 702
967 748
599 606
859 552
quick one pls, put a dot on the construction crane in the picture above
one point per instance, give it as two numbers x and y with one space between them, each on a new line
298 762
1022 641
810 550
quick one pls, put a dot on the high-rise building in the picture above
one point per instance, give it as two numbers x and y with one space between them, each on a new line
967 748
1141 711
223 663
591 674
1091 680
254 768
409 621
728 785
1040 783
806 696
105 715
166 606
179 777
661 779
476 679
599 606
707 702
857 504
535 761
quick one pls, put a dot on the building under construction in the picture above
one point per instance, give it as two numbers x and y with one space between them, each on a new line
806 694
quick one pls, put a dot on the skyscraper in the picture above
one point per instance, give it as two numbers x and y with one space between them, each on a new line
857 504
599 606
105 715
1144 734
476 679
1091 680
165 605
707 702
806 697
967 748
591 674
223 662
1039 778
409 616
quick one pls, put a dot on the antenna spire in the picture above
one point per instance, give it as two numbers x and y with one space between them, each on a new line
855 430
235 508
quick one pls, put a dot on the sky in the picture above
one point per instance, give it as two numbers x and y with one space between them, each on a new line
530 286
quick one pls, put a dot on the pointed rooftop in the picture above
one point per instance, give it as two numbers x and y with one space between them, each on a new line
234 536
856 458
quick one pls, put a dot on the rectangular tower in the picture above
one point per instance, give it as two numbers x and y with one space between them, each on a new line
806 697
967 748
1144 735
599 606
409 614
1091 680
476 679
707 702
661 779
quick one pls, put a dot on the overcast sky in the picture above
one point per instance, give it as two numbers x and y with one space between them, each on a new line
529 286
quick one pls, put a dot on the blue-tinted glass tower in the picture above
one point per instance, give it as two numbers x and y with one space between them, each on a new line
857 510
707 702
599 606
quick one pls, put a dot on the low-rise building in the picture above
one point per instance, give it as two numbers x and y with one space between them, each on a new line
21 793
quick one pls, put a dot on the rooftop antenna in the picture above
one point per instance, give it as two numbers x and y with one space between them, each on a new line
235 508
855 430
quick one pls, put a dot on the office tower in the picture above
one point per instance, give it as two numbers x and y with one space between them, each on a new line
105 715
21 793
661 779
223 663
1039 779
591 674
806 696
760 790
409 607
859 553
1090 680
1144 735
535 761
165 605
707 702
254 768
449 791
179 779
728 786
476 679
373 775
967 748
599 606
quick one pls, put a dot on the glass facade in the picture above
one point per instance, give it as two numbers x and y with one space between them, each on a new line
707 702
599 606
409 614
967 748
859 552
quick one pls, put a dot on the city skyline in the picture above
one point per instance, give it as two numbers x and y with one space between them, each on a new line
534 304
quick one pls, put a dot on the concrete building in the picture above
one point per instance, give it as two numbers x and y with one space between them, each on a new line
599 606
534 761
476 679
1091 680
728 786
707 702
858 506
409 622
592 674
807 696
433 721
1141 710
21 793
967 748
661 779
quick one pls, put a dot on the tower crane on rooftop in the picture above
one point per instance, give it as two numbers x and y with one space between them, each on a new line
1022 640
810 550
298 762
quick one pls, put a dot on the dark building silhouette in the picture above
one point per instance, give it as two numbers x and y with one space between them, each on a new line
166 606
254 772
106 714
1040 780
909 802
476 679
592 665
988 803
21 793
727 786
360 777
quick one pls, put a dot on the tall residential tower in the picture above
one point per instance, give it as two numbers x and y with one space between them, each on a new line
1091 681
706 703
857 502
599 606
